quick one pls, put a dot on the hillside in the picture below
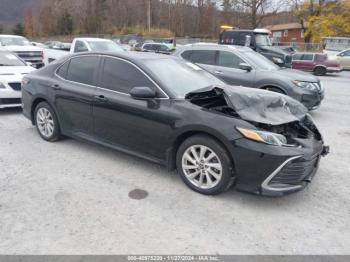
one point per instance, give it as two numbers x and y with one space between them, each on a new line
12 11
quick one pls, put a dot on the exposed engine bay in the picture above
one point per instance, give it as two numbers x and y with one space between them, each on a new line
281 114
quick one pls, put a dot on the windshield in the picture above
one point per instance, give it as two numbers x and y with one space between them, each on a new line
101 46
181 77
8 59
8 40
262 40
260 61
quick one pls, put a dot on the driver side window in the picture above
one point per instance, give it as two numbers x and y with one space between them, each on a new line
228 59
122 76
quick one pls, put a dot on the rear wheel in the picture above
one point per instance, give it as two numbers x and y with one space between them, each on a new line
204 165
320 71
46 122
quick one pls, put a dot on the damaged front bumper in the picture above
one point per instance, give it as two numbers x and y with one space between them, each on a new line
275 171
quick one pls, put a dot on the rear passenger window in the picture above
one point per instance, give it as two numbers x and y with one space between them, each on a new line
62 71
82 69
206 57
234 38
122 76
147 47
228 59
297 57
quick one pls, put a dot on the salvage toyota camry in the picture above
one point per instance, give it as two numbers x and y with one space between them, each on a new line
172 112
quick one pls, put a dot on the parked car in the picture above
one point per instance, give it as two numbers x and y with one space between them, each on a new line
317 63
23 48
12 70
82 45
344 59
58 45
238 65
130 39
259 41
38 44
154 48
172 112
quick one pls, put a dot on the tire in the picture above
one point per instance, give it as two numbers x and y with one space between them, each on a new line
275 89
320 71
210 177
46 122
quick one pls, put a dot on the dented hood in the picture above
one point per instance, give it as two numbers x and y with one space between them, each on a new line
259 106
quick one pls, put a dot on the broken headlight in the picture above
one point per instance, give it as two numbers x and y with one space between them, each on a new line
307 85
264 136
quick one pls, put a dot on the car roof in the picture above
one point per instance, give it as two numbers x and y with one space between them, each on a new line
132 56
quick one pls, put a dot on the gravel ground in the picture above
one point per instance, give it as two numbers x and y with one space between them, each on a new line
72 197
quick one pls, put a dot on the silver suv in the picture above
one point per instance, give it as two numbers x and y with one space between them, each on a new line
238 65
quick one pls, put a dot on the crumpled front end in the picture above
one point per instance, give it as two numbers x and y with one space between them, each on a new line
267 167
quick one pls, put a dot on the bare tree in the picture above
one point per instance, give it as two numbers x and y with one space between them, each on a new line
256 10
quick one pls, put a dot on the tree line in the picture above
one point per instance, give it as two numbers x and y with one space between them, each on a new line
177 17
194 18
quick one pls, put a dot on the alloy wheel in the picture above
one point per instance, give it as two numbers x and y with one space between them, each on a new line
202 167
45 122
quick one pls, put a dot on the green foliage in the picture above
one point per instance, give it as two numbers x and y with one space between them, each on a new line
324 18
18 30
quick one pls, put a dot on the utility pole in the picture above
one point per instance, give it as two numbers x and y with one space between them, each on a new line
149 15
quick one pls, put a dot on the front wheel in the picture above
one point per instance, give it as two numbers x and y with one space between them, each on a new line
204 165
46 122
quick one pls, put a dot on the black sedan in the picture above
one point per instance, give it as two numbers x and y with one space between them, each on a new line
172 112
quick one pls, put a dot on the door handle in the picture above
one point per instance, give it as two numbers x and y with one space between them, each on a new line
56 86
100 98
219 72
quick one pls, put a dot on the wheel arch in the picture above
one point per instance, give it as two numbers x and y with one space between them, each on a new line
265 87
171 153
36 101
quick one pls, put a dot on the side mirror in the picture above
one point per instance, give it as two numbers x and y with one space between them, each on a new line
142 92
245 67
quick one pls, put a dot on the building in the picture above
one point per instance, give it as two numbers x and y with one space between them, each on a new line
287 33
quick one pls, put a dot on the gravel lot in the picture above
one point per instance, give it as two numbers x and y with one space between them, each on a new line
72 197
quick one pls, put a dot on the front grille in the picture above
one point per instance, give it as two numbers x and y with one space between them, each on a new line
10 101
29 55
295 172
15 86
